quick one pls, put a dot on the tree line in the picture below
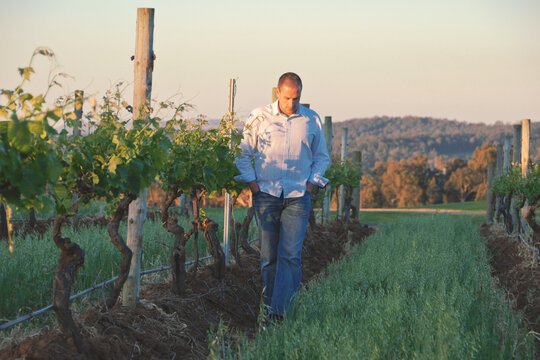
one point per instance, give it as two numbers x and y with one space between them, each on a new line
413 181
382 138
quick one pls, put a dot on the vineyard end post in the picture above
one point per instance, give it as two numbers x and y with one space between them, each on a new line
356 190
327 192
525 142
344 135
506 154
227 206
489 194
516 145
144 64
516 159
79 96
498 172
274 94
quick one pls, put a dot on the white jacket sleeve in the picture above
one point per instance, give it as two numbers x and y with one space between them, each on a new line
320 157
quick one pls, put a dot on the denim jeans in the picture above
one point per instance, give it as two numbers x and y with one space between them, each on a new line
282 226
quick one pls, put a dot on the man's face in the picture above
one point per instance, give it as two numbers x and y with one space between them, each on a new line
288 97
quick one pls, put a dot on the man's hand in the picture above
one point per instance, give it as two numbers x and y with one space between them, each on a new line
254 187
309 187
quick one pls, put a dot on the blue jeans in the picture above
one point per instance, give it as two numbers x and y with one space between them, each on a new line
282 227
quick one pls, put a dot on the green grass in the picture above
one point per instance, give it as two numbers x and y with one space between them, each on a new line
420 288
26 275
381 217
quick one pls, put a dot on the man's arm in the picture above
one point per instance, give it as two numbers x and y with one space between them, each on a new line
248 146
320 159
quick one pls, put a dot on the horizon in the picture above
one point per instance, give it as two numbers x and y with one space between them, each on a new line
468 61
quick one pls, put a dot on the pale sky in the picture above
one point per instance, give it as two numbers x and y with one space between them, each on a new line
468 60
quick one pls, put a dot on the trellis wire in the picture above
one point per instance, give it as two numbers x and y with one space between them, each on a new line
89 290
524 241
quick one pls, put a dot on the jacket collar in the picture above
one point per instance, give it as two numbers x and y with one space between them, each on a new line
300 111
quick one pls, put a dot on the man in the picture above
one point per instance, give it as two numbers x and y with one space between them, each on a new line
284 156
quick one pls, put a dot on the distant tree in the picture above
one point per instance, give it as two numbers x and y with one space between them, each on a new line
370 192
482 156
404 182
453 164
462 185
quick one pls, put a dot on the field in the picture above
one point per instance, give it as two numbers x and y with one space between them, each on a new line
419 288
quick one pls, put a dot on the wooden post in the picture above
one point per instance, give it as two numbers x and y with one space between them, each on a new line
506 153
274 94
356 189
525 142
516 145
516 160
328 191
79 96
498 172
489 194
227 205
341 204
144 64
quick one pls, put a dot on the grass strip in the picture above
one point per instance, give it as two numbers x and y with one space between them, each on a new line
26 276
420 288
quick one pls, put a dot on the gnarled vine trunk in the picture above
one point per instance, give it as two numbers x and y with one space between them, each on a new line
3 223
196 195
178 253
244 235
210 229
118 241
529 216
347 204
235 237
240 235
69 262
507 213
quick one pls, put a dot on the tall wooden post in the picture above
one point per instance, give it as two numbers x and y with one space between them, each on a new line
516 159
144 64
341 204
227 206
78 105
274 94
489 194
356 190
525 142
516 145
499 169
498 172
328 191
506 153
79 96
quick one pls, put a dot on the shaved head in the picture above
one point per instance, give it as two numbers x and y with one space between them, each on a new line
290 77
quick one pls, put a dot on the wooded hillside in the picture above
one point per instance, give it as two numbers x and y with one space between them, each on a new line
382 138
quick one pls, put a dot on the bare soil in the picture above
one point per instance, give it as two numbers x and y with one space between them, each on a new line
518 272
165 326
